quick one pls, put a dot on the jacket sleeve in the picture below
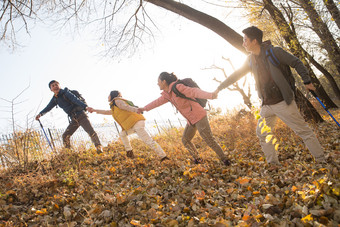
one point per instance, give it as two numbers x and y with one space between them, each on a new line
192 92
156 103
235 76
288 59
49 106
122 105
72 98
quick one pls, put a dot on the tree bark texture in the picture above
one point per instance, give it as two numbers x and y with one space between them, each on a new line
306 108
229 35
321 29
203 19
333 10
296 49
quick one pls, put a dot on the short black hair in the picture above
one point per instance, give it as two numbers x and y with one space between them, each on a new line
51 82
254 33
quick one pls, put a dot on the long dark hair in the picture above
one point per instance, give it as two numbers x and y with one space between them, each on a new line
169 78
113 94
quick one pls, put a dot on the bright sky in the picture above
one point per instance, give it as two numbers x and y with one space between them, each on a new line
183 47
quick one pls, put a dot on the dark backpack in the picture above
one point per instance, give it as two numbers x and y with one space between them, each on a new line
189 83
76 93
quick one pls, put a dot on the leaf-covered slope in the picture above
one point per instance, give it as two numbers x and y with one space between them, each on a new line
83 189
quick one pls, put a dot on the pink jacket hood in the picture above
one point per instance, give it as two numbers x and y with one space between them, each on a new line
191 110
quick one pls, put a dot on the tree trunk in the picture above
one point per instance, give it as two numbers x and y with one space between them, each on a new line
333 10
321 29
224 31
296 49
307 110
203 19
328 76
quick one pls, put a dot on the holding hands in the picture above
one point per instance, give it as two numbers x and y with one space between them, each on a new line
90 109
140 110
215 94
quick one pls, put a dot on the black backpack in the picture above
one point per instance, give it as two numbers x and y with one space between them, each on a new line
190 83
79 96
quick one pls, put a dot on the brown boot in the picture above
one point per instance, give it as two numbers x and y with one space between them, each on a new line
130 154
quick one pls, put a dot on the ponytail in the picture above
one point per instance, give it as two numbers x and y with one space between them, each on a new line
113 94
169 78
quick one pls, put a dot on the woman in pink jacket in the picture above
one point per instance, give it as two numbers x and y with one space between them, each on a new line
195 114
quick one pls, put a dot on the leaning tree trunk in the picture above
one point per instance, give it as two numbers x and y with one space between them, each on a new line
321 29
327 74
215 25
307 110
203 19
333 10
296 49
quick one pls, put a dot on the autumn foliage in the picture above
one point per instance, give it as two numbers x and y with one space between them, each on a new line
81 188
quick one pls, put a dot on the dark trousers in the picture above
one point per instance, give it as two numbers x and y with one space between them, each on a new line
83 121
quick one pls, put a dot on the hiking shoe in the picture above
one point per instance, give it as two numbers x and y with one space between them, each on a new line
130 154
99 149
164 158
226 162
273 167
198 161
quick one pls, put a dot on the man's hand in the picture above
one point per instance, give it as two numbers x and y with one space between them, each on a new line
215 94
310 86
37 117
90 109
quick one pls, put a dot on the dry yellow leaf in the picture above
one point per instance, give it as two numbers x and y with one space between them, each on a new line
41 212
274 141
268 138
294 189
307 218
135 222
243 180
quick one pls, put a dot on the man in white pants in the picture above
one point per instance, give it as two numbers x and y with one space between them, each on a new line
275 88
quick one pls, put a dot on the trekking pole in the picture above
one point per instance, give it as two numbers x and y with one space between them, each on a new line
314 94
45 134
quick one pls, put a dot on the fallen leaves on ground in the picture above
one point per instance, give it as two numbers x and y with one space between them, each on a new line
85 189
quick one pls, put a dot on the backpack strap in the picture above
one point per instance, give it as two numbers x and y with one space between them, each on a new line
286 71
180 94
272 58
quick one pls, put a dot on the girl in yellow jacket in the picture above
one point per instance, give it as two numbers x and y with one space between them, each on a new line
125 114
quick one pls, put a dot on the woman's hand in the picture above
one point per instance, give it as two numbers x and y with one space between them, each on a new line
140 110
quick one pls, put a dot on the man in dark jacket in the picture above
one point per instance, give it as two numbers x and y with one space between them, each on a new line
275 87
75 109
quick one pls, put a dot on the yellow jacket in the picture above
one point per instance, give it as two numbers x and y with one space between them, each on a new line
126 119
